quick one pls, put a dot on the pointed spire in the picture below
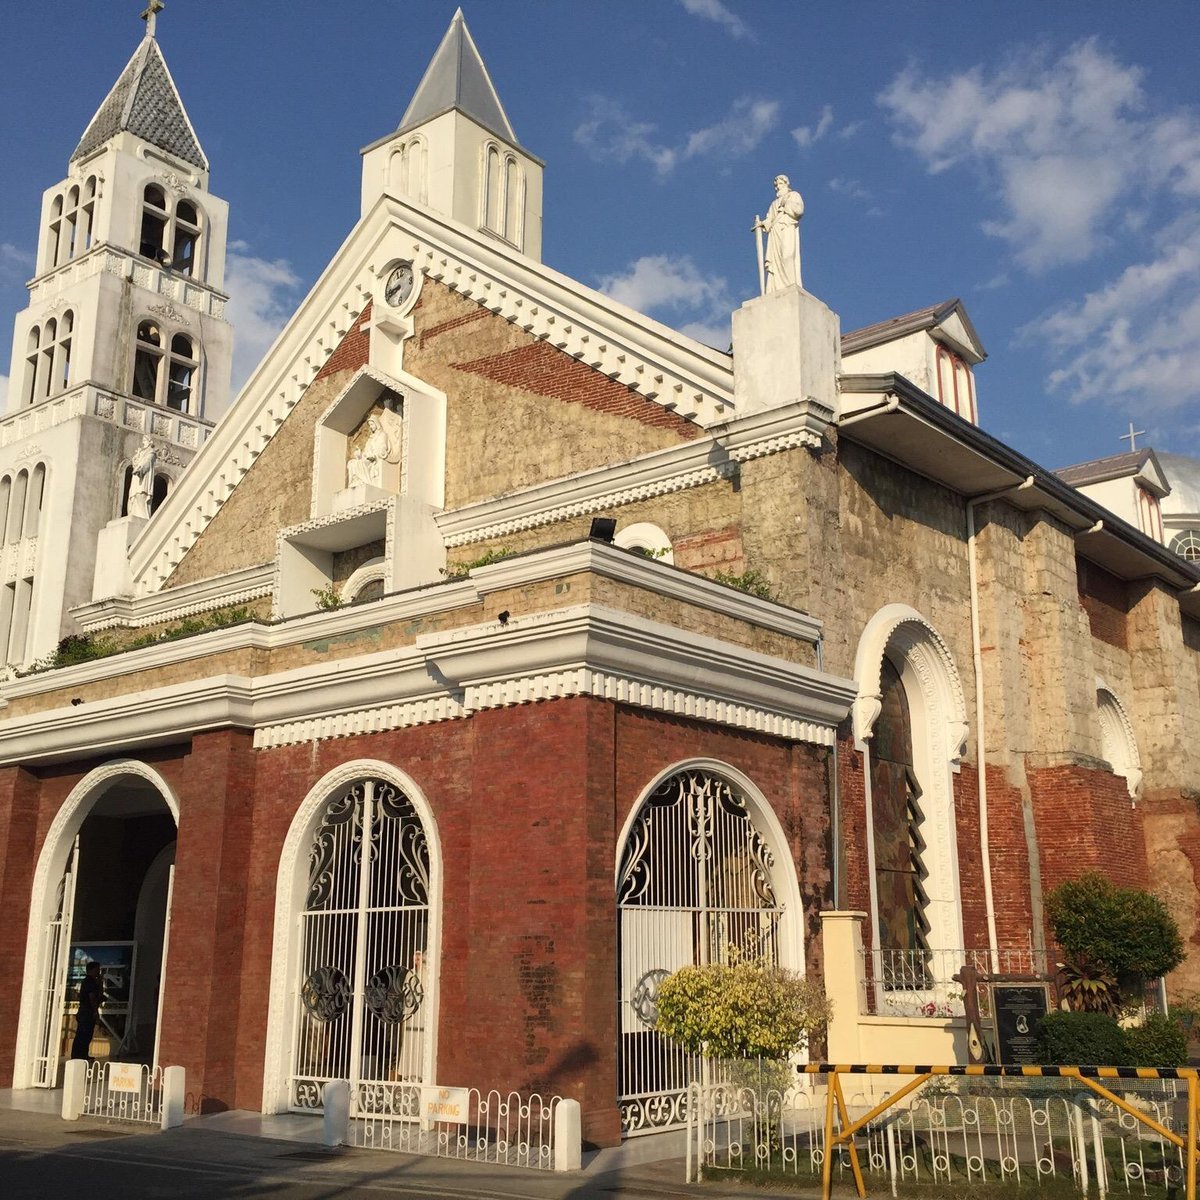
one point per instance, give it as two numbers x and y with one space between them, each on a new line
457 78
145 102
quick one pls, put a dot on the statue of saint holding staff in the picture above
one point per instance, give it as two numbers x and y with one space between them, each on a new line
779 266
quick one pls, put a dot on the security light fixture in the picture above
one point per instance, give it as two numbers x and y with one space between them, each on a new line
603 528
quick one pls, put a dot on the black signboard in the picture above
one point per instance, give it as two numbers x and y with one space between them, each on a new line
1017 1009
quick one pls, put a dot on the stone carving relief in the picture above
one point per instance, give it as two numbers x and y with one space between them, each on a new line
382 445
169 312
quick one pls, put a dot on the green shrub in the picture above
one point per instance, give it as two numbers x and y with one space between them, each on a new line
1125 932
745 1010
1158 1042
1069 1039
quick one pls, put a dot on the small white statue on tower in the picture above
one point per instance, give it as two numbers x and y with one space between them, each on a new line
141 480
779 267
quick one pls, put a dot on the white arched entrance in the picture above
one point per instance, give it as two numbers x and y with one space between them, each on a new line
125 785
703 871
899 641
357 942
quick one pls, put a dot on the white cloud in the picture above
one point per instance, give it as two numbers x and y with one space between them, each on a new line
739 133
1065 144
714 10
807 134
667 287
262 295
1135 341
610 134
849 187
15 263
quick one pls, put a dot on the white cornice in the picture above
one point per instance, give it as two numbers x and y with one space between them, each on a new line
219 591
657 473
584 650
322 626
657 362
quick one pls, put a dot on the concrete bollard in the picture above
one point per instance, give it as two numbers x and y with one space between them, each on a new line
336 1129
174 1090
74 1089
568 1136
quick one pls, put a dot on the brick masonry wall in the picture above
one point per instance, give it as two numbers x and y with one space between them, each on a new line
528 804
1105 600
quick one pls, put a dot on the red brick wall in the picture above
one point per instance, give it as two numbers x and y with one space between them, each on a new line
354 350
1105 600
1086 823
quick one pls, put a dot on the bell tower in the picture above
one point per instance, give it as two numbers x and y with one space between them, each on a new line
455 151
131 259
121 359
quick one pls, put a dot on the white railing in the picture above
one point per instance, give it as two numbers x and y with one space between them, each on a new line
124 1092
464 1123
960 1133
921 983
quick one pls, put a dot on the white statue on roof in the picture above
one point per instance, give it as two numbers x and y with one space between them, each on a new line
780 265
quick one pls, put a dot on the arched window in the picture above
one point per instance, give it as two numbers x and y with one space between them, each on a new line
54 234
897 829
360 1009
1187 544
187 238
644 537
87 215
48 357
955 383
181 378
155 216
1149 514
162 488
503 201
147 362
703 874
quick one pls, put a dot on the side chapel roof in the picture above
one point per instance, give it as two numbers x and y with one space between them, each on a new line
145 102
923 318
457 78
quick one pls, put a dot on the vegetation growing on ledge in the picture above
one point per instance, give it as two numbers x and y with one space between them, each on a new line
753 582
81 647
462 570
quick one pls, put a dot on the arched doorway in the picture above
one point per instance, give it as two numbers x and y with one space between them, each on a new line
354 993
100 893
704 873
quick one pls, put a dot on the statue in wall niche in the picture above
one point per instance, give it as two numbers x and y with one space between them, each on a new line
779 267
383 445
141 481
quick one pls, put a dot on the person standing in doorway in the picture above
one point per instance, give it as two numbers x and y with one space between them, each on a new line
91 996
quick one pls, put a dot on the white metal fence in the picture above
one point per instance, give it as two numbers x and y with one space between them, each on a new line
124 1092
465 1123
952 1131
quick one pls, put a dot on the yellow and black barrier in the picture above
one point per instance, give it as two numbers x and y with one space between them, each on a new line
1087 1075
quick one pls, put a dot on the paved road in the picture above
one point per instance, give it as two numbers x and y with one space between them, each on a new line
41 1157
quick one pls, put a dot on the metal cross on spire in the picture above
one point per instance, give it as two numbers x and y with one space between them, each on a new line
1132 436
151 14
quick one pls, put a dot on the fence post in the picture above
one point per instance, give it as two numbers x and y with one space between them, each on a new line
568 1136
336 1127
174 1089
74 1088
845 982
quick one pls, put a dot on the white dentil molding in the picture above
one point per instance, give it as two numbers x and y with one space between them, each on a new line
583 650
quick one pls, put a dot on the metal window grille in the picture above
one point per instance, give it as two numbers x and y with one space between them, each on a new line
360 1011
695 886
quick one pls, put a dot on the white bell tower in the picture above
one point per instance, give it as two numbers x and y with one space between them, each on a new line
455 151
123 348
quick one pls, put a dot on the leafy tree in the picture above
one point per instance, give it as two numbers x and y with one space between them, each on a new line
746 1009
1118 931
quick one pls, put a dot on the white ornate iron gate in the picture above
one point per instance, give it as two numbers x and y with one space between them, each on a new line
52 998
694 886
360 1010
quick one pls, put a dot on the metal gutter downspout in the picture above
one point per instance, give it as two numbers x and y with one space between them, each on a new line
889 405
980 725
835 800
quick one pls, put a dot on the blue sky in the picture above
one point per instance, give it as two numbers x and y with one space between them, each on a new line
1041 161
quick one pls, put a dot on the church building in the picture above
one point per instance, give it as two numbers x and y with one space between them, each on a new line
499 650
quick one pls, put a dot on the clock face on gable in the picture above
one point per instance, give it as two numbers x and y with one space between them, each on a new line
399 284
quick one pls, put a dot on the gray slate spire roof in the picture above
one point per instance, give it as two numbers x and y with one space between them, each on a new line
145 102
457 78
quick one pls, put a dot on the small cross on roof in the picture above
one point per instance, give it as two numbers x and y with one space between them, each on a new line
1132 436
150 15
